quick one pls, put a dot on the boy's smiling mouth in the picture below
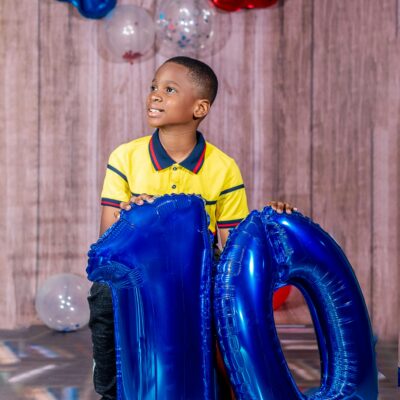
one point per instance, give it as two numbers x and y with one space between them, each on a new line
154 111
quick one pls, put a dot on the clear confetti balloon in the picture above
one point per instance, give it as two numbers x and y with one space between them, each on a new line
128 32
61 302
185 27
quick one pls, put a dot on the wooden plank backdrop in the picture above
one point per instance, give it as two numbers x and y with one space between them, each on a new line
308 106
19 130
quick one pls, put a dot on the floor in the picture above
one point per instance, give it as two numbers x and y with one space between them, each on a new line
40 364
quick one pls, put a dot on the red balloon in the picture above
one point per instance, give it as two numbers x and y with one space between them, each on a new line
235 5
280 296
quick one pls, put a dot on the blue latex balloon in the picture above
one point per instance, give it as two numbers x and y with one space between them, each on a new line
157 261
269 250
94 9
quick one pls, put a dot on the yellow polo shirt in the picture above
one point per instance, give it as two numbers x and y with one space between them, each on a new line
143 166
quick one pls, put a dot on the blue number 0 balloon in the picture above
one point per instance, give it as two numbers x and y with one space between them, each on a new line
157 261
269 250
95 9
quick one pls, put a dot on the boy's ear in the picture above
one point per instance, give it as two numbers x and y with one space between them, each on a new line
201 108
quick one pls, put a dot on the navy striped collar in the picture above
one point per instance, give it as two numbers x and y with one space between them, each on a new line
161 159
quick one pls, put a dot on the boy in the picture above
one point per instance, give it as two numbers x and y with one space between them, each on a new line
175 159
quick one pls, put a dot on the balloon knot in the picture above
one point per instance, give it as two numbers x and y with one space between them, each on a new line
130 56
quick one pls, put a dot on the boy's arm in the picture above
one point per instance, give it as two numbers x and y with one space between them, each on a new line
223 236
115 187
109 215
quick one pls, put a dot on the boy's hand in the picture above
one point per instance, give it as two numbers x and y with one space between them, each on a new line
280 207
138 200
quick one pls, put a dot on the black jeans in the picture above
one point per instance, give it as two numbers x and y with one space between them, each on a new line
101 324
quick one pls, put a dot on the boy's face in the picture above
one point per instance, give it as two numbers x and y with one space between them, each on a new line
173 99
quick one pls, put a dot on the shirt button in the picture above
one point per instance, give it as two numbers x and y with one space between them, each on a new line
174 168
173 186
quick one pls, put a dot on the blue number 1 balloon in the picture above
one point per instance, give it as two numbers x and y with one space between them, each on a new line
270 250
95 9
157 261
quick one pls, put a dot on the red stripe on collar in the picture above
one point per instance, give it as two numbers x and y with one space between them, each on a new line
153 156
201 160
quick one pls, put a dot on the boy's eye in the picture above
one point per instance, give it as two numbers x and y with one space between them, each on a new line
152 88
169 89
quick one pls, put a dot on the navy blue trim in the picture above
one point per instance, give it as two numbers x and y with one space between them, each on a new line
110 167
232 189
110 202
231 221
165 161
162 157
193 159
229 224
154 164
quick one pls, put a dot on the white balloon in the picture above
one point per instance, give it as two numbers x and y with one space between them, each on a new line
185 27
128 32
61 302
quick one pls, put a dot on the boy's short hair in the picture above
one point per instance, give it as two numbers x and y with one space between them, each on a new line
203 76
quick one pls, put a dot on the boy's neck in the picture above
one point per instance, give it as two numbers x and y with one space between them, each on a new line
178 144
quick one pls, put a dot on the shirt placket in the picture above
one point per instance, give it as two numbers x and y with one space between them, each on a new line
175 178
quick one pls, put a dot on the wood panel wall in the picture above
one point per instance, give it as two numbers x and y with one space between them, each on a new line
308 106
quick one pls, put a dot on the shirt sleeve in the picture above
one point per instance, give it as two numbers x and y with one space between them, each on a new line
115 186
232 202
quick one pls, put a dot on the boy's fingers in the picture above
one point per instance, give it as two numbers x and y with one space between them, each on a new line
117 214
139 200
124 205
280 207
274 205
147 197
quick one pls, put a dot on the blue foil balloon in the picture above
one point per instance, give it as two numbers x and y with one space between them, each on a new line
157 261
94 9
269 250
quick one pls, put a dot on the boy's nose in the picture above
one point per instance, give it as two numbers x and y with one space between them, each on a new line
155 97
